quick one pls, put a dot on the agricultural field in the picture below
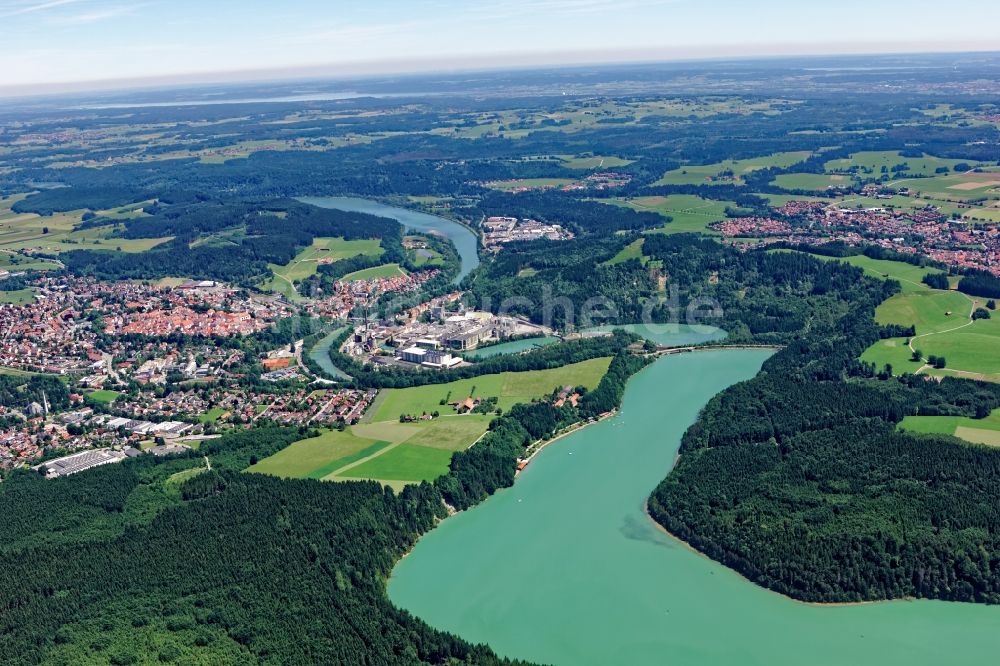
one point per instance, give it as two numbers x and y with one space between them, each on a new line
593 162
58 232
324 250
529 184
384 271
778 200
969 188
691 214
510 387
871 163
395 453
814 182
315 457
978 431
734 170
943 322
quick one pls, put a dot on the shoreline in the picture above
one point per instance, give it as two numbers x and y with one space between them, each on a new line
451 511
816 604
541 445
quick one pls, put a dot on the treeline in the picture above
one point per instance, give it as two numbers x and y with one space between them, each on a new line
61 199
981 284
582 217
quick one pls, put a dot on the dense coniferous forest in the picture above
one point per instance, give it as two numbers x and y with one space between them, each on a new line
264 232
799 480
122 563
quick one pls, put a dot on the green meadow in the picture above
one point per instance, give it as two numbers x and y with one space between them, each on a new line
593 162
395 453
978 431
307 262
529 183
631 251
872 162
814 182
510 387
18 296
704 174
943 324
384 271
691 214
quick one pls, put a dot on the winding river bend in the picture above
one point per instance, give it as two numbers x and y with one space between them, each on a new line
566 568
465 241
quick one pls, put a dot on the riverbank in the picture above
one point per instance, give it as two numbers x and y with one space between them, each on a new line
815 604
465 239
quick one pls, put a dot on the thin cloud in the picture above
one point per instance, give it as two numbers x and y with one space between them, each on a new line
20 8
96 15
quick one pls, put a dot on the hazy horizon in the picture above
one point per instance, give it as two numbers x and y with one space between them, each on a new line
86 45
366 71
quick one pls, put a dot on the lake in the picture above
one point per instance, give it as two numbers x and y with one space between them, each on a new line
512 347
675 335
566 568
466 242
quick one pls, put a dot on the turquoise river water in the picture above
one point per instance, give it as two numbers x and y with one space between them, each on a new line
465 241
566 568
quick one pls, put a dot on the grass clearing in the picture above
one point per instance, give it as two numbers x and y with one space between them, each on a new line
325 250
510 387
306 457
978 431
385 271
103 396
593 162
212 415
691 214
406 462
631 251
729 171
18 296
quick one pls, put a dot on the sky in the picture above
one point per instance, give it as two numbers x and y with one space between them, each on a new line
59 41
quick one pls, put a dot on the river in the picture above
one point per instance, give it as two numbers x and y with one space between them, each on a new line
566 568
321 354
465 241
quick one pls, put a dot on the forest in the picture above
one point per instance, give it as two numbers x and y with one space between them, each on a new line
826 501
124 563
264 232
